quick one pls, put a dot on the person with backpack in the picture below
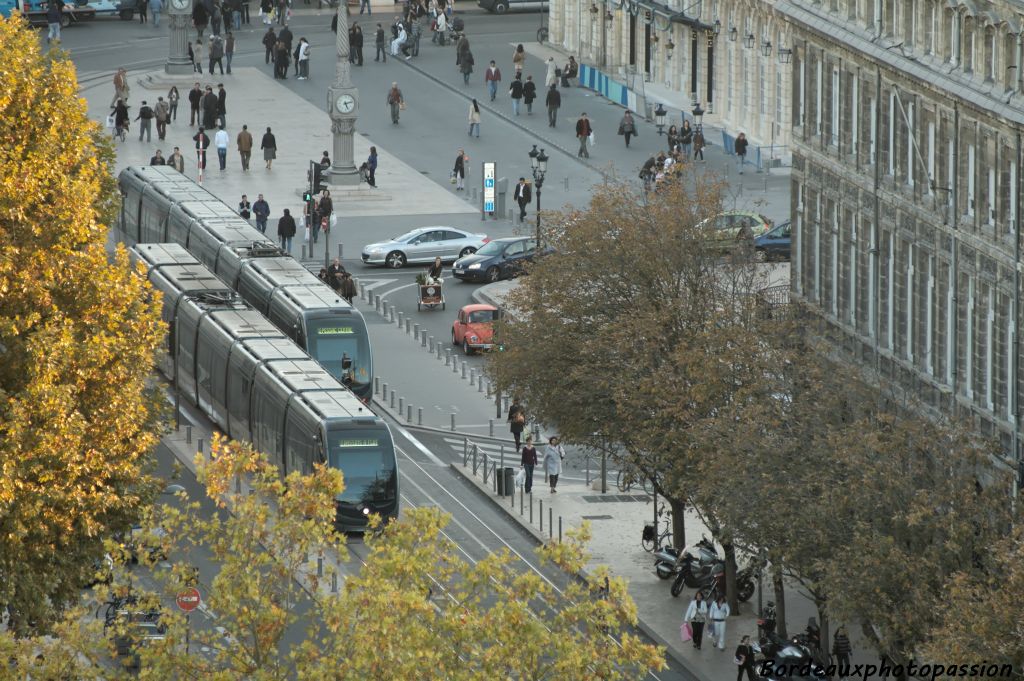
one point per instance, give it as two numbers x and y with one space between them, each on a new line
145 117
162 112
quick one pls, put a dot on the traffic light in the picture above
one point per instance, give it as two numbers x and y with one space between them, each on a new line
319 182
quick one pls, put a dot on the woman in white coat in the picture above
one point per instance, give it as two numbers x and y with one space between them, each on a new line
553 456
697 615
550 78
718 613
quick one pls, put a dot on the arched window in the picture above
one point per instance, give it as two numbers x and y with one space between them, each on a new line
951 36
1011 62
991 53
967 59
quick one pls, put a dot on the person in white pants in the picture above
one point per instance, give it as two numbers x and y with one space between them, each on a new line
718 613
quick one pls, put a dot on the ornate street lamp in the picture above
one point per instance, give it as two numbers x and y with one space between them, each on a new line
748 42
766 48
608 16
669 46
718 26
659 118
698 114
785 55
539 166
733 34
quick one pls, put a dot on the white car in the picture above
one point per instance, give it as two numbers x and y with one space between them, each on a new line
423 245
125 9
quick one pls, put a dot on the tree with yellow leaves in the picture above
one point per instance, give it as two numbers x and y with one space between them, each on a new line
77 336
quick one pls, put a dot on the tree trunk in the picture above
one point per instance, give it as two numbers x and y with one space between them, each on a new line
780 602
678 527
823 629
730 578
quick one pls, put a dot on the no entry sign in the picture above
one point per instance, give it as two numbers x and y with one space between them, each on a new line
189 599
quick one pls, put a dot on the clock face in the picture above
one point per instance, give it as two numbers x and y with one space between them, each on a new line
345 103
181 4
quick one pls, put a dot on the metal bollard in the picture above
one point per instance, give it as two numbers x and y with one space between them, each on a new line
512 498
401 405
559 529
455 363
463 371
485 469
542 515
551 523
408 326
188 435
488 390
199 445
303 251
423 340
384 307
494 476
472 376
401 321
376 385
439 350
238 485
334 582
341 250
531 507
480 385
453 424
474 459
501 452
419 415
521 501
490 427
376 302
510 218
430 345
416 331
319 566
391 314
384 395
447 357
392 399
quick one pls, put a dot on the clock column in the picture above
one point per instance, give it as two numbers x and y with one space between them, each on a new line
343 105
179 16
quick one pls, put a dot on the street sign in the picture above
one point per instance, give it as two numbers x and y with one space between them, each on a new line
189 599
490 170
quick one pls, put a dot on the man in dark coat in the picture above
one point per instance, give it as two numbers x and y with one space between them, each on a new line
222 105
200 18
286 230
202 141
269 40
209 109
553 101
195 96
285 36
356 43
522 196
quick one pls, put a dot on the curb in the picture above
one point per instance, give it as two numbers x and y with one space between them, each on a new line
583 575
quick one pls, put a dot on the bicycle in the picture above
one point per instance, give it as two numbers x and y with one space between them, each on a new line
626 478
653 539
542 35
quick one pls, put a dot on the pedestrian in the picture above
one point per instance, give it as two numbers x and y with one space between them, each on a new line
371 167
518 58
261 209
365 5
515 92
461 47
54 15
209 107
269 146
440 28
285 36
740 147
269 40
529 94
280 59
334 273
686 139
162 111
229 46
553 456
158 159
745 660
672 135
474 119
120 87
529 460
356 43
310 220
221 140
696 615
200 18
395 102
522 197
121 119
379 41
550 78
841 648
197 54
302 62
145 117
286 230
492 77
216 17
415 33
583 132
516 420
627 127
267 12
236 19
570 71
718 614
348 287
222 105
143 5
195 96
326 208
177 161
202 141
398 39
244 207
281 12
698 143
466 62
553 101
244 142
172 101
459 171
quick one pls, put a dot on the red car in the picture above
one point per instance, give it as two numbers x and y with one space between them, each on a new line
473 329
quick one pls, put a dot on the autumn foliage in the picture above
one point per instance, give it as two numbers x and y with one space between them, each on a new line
77 335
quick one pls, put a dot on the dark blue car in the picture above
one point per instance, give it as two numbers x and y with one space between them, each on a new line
773 244
497 259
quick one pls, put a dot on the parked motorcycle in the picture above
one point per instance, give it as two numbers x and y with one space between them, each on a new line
789 660
712 583
668 561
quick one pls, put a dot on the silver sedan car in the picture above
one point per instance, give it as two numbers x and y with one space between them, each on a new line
423 245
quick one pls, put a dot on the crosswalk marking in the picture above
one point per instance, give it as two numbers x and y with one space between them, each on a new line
492 450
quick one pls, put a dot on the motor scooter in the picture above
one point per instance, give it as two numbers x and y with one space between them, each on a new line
668 561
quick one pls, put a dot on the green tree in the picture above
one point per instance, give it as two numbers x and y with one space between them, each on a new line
77 335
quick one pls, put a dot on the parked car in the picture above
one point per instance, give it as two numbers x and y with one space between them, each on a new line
134 630
774 244
125 9
498 259
502 6
423 245
473 329
730 227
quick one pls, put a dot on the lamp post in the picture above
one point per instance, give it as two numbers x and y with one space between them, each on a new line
659 118
733 34
748 42
766 48
698 114
785 55
539 166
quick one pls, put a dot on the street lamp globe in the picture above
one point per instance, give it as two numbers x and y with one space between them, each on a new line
718 26
534 161
748 42
659 117
698 114
542 163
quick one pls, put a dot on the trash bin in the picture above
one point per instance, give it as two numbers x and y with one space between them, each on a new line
506 482
501 195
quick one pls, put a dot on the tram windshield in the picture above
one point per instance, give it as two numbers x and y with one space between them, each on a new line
341 345
366 458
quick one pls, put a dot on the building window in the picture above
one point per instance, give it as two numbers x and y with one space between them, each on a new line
1011 224
874 16
991 198
968 45
730 78
852 287
871 288
892 132
802 91
1011 62
928 321
911 150
891 293
970 180
990 318
872 106
931 26
950 320
908 345
745 83
968 342
834 132
855 115
779 93
798 246
851 9
889 18
950 167
835 260
819 97
1011 330
763 90
910 23
953 41
990 54
816 293
931 157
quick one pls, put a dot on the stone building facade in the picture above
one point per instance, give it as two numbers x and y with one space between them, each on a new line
906 133
731 56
